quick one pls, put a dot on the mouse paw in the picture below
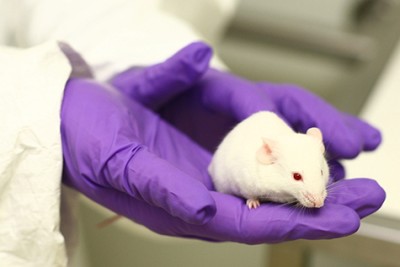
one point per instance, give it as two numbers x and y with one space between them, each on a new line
253 203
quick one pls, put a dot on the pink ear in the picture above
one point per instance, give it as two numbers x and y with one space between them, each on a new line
264 153
315 132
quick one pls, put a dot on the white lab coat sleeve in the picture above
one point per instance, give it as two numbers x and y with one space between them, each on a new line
110 35
31 88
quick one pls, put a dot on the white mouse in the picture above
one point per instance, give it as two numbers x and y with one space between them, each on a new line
263 159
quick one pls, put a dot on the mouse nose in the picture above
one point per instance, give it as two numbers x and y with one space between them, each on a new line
318 202
314 200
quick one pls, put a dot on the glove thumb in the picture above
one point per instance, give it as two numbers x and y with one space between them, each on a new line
155 85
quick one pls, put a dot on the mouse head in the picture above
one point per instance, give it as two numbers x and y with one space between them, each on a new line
298 167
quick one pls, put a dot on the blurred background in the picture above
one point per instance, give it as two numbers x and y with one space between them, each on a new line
335 48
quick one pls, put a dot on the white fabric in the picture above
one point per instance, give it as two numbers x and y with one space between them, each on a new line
31 87
111 35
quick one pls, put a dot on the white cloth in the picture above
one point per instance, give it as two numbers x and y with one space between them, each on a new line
111 35
31 86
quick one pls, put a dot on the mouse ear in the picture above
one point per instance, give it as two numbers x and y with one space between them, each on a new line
316 133
264 153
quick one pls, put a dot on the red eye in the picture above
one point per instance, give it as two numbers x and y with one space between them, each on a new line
297 176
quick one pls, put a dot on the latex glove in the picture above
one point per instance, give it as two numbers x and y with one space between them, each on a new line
220 100
112 145
125 157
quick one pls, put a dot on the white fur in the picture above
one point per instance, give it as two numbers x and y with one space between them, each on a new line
236 170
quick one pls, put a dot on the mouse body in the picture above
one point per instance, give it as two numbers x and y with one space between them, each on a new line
263 159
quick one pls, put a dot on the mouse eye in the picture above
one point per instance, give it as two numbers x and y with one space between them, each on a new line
297 176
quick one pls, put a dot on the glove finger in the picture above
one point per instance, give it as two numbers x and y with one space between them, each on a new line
273 223
155 85
348 136
303 110
157 182
230 95
270 223
370 136
340 141
337 171
363 195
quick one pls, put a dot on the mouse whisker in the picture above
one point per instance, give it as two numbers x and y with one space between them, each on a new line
302 210
294 214
290 204
333 184
295 211
333 188
339 195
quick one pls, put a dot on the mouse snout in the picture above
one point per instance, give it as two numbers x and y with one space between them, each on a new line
313 200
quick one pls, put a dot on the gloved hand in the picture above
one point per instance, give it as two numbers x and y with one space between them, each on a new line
125 157
219 100
113 144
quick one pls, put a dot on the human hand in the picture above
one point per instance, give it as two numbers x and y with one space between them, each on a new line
126 158
113 144
233 221
219 100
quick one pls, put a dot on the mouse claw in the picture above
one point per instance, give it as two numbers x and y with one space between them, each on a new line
253 203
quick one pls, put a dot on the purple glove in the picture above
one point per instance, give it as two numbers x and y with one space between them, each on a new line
220 100
124 157
111 144
206 109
